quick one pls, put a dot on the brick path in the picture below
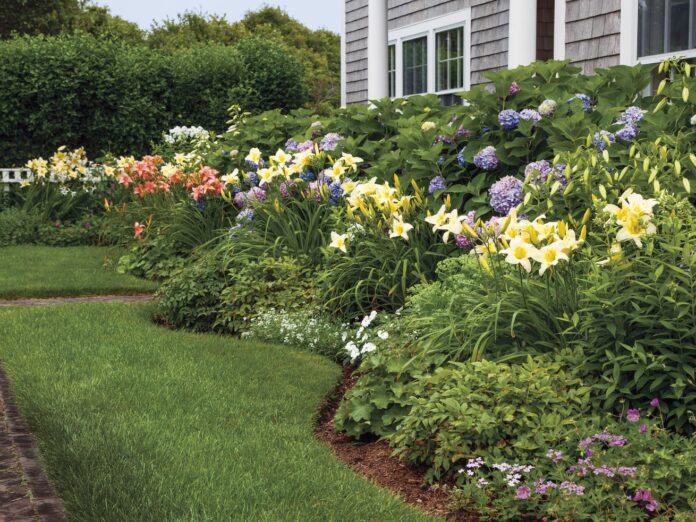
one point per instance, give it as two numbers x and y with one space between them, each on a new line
25 492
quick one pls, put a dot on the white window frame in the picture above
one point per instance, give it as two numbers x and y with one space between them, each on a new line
629 39
429 28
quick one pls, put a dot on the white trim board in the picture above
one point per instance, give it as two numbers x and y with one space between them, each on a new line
428 28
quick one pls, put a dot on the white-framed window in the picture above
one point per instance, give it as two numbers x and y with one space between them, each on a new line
653 30
432 56
392 70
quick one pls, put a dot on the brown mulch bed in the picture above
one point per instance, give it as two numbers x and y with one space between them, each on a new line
40 301
374 460
25 491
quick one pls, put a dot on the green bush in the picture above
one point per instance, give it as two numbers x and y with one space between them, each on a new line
107 96
510 411
17 227
84 232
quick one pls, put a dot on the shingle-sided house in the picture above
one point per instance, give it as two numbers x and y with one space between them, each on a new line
402 47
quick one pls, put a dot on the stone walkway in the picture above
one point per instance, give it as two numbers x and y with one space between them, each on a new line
25 492
137 298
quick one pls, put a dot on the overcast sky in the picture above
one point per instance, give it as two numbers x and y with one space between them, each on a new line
315 14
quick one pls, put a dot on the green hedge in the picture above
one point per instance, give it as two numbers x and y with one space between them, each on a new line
104 95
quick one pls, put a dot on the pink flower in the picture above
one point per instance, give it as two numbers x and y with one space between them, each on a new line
523 492
643 428
655 402
633 415
138 229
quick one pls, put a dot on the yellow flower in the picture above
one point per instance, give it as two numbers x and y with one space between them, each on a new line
338 241
350 161
254 155
428 125
336 172
399 228
265 176
633 229
303 158
348 186
549 255
280 157
109 171
439 219
231 178
518 253
24 183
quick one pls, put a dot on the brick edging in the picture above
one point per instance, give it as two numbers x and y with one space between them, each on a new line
45 504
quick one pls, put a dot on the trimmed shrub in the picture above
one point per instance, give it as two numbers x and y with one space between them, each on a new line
17 227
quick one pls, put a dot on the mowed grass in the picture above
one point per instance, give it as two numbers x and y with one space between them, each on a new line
39 271
136 422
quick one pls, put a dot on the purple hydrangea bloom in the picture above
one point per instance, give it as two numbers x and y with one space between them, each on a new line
600 142
240 199
330 141
632 415
631 115
305 146
506 193
530 114
461 160
539 171
486 159
443 138
509 119
256 194
462 132
514 89
291 145
547 108
629 132
462 241
437 183
584 98
286 188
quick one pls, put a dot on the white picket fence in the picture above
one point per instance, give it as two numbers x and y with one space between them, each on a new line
9 176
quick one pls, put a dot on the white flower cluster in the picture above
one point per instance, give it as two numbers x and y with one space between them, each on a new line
363 342
183 134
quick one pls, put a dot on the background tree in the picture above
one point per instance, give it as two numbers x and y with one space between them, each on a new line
36 16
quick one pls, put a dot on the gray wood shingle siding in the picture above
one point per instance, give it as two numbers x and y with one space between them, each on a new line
593 30
489 35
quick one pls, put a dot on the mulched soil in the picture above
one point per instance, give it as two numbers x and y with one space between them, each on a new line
374 460
41 301
25 492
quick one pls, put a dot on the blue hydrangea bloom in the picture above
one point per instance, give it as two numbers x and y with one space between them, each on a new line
505 193
628 132
538 171
631 115
441 161
335 192
245 216
307 176
253 179
291 145
330 141
437 183
600 142
486 159
509 119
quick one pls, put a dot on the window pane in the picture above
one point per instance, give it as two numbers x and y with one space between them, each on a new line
664 26
391 73
450 59
415 66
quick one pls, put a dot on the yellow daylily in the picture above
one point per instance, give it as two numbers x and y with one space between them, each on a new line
399 228
549 255
519 252
339 241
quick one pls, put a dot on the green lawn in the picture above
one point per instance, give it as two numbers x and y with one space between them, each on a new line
137 422
38 271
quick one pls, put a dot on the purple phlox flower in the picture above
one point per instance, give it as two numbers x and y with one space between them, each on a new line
600 142
645 496
631 115
541 486
571 488
437 183
330 141
486 159
651 505
514 89
482 482
655 403
461 160
632 415
554 455
509 119
629 132
584 98
443 138
291 145
523 492
475 463
240 199
530 114
643 428
547 108
627 471
607 471
610 439
505 193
